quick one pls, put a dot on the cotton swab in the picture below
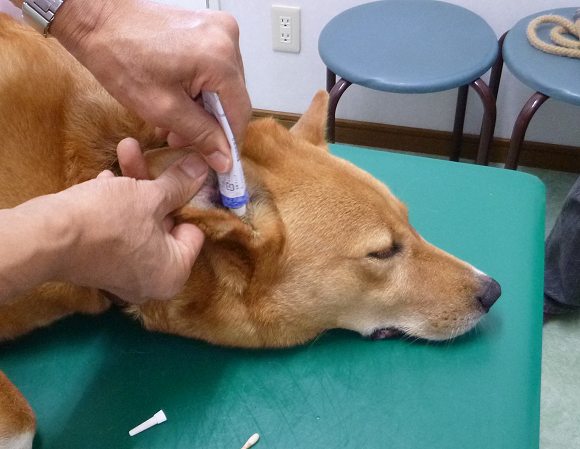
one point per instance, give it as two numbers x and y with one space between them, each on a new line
157 418
251 441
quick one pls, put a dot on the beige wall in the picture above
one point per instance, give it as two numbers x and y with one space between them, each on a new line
286 82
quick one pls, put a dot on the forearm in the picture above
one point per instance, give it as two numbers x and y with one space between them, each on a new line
155 59
111 233
33 244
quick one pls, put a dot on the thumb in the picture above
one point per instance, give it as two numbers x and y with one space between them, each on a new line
105 174
189 239
180 182
192 125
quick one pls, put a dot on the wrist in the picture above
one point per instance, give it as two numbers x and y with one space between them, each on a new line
36 238
64 228
55 224
77 20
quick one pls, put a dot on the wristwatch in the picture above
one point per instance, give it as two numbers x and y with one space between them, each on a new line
40 13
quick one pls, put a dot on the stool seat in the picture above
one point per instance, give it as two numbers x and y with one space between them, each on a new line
555 76
408 46
91 379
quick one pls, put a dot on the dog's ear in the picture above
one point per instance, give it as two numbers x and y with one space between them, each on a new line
217 224
240 250
312 125
261 227
255 242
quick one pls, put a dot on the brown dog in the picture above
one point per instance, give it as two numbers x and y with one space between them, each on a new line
324 245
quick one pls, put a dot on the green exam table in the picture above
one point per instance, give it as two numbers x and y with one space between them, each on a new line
91 379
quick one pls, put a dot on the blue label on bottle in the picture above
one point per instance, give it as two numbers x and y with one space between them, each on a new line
234 203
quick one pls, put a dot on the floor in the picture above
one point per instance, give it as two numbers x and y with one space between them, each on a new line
560 413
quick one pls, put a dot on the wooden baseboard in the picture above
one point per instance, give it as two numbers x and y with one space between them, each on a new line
432 142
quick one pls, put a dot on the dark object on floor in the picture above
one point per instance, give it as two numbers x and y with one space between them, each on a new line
561 280
553 308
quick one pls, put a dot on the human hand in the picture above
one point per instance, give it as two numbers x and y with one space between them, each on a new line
125 241
155 59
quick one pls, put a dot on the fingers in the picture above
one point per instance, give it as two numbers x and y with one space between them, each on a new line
105 174
237 106
131 159
187 242
161 133
176 141
192 125
190 240
180 182
231 86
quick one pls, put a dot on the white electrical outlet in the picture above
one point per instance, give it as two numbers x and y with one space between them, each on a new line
286 28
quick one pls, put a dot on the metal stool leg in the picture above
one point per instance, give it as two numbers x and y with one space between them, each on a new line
520 127
335 93
488 122
459 122
330 80
497 68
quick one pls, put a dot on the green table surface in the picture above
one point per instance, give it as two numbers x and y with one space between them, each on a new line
91 379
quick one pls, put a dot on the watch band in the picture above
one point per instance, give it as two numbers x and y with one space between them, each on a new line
40 13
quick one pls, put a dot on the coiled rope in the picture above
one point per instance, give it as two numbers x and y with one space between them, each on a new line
562 45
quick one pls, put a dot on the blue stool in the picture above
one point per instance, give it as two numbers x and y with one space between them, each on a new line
412 46
549 75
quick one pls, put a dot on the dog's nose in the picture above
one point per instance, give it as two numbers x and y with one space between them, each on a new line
491 291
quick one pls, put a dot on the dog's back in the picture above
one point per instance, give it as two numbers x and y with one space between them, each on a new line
59 126
39 131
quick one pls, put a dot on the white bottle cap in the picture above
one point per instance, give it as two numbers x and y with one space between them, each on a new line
240 211
251 441
157 418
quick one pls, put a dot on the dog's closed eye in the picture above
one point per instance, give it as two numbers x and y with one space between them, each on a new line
385 253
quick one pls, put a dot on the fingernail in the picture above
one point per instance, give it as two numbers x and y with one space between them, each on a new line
219 161
194 166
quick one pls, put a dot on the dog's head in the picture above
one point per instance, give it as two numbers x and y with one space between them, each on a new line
324 245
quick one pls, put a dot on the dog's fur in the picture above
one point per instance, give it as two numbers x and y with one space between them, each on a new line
324 245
